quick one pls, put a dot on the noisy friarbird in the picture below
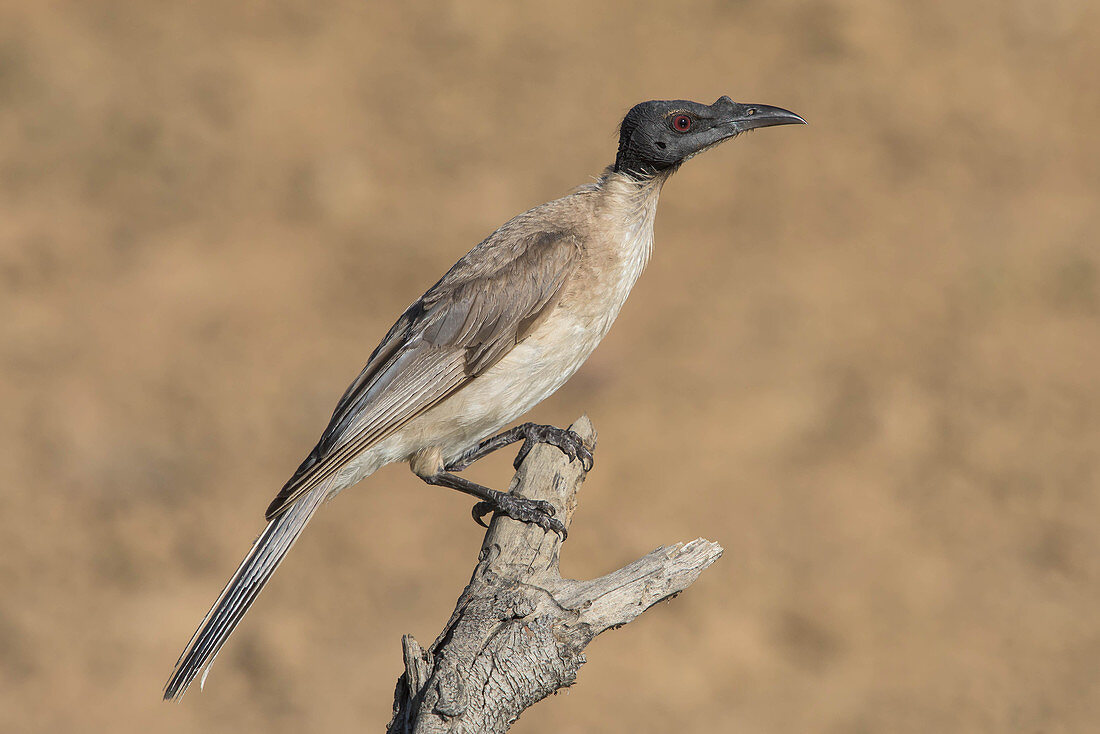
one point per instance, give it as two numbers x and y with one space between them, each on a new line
500 332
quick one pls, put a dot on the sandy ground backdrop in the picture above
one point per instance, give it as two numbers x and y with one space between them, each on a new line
864 357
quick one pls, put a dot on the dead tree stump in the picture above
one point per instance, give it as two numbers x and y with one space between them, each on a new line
519 630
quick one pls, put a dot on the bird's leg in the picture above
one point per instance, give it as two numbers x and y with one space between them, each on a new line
539 512
530 433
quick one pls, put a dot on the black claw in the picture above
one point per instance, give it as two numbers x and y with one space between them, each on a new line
573 447
558 528
481 509
567 441
523 451
586 459
538 512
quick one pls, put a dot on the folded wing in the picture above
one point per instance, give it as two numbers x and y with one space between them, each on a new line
456 331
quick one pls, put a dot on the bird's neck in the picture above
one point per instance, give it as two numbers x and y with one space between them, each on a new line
618 184
629 205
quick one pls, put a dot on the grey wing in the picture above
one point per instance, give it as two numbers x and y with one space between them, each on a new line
456 331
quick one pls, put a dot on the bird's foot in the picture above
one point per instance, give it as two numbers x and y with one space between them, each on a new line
564 439
537 512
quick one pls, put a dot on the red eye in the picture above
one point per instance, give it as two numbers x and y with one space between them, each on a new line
681 123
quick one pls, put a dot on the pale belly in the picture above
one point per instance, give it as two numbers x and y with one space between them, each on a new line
531 372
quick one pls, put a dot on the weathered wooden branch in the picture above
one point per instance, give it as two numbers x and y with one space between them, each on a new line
519 629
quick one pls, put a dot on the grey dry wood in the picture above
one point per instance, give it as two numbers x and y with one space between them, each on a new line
518 631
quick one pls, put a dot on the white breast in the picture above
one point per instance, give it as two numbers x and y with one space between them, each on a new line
636 245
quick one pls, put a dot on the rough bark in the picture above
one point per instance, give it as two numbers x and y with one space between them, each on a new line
519 630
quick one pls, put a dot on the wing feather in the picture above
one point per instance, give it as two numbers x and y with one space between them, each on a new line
456 331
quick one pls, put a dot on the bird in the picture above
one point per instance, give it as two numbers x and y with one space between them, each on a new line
501 331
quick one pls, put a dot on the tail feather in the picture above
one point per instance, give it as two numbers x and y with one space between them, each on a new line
248 581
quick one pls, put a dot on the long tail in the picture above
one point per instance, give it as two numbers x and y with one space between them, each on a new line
251 576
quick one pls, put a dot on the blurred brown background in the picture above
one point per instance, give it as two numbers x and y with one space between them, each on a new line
864 356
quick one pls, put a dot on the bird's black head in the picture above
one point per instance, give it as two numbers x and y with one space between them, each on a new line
659 135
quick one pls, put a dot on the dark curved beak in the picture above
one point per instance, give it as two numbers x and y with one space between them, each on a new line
742 117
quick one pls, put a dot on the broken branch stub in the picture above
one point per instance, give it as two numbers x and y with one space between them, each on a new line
519 630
